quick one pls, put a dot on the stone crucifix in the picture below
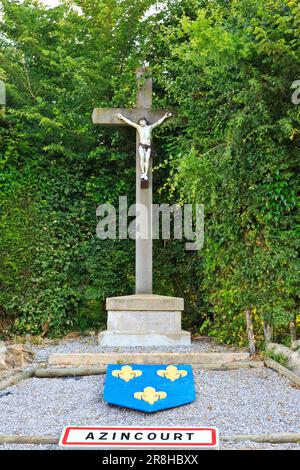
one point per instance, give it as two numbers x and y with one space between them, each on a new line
144 129
143 119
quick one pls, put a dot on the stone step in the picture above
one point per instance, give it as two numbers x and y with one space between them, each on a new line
66 370
151 338
91 359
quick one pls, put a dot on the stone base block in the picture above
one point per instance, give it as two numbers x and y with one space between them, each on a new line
113 338
145 302
144 320
141 321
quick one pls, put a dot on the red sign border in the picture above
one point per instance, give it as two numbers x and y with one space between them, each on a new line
97 428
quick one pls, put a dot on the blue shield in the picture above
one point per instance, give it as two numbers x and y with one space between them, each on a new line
149 388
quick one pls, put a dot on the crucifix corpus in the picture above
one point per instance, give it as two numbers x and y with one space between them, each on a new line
144 120
144 130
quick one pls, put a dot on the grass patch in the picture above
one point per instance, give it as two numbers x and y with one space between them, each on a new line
280 358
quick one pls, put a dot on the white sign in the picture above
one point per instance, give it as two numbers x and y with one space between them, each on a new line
121 437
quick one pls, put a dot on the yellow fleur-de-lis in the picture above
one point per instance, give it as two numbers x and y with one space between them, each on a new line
172 373
150 395
126 373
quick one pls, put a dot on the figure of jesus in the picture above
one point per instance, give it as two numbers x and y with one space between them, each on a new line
144 129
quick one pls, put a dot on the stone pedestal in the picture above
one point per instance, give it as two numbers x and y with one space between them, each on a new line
144 320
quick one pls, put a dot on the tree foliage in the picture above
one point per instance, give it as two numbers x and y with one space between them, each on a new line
230 74
226 68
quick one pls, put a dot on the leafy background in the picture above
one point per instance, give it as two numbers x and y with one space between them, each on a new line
226 70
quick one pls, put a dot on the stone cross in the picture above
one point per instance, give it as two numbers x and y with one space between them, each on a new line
2 97
2 93
143 243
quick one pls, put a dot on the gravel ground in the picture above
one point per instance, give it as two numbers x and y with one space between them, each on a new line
247 445
90 344
244 401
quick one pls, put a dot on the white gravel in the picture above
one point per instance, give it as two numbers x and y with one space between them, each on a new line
246 445
244 401
90 344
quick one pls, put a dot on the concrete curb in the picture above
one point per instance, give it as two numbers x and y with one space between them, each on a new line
283 371
94 359
264 438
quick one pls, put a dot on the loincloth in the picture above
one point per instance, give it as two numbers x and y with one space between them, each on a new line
145 146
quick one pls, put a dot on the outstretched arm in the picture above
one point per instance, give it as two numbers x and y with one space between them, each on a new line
130 123
160 121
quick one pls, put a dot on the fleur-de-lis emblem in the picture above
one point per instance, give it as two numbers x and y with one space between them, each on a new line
126 373
172 373
150 395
